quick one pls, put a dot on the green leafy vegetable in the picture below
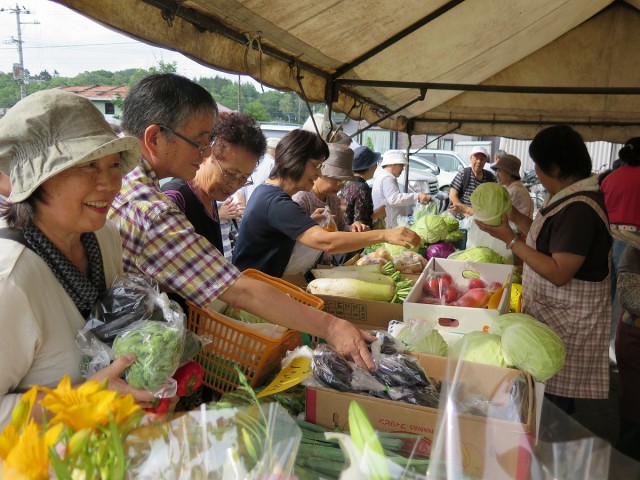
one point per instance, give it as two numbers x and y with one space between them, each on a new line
454 236
431 228
452 223
530 345
478 254
479 347
489 201
157 347
242 315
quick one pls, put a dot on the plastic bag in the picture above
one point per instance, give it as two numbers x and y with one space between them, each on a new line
332 370
130 298
409 262
158 348
327 222
242 443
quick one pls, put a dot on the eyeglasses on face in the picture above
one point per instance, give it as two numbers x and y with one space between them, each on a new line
318 166
204 151
233 179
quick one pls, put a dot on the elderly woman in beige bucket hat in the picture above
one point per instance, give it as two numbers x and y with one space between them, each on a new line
507 170
273 222
57 251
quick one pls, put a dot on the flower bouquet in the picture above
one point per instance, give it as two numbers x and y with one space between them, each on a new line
81 437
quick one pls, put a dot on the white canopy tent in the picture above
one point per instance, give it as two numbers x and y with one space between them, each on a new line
478 67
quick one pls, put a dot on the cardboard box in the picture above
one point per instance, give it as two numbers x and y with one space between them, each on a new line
483 447
366 314
468 319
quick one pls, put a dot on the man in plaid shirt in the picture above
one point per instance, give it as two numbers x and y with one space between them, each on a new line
172 117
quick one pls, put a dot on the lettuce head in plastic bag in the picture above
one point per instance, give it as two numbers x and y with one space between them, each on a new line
479 347
489 201
478 254
431 228
530 345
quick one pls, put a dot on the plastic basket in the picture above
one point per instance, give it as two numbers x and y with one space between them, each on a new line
235 346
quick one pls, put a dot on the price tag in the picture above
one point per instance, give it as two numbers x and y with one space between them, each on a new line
291 375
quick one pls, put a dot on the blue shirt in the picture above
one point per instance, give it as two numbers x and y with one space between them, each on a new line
271 223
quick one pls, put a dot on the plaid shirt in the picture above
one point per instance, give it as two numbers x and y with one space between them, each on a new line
159 241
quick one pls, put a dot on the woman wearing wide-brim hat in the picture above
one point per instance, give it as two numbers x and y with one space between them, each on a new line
507 169
58 253
273 222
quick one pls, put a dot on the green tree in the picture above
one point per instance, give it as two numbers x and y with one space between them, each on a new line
256 110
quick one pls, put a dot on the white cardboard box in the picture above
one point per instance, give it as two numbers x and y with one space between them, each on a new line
468 319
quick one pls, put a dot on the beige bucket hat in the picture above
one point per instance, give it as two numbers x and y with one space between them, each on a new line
51 131
339 163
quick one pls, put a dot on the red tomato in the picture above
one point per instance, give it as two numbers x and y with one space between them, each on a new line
451 294
476 283
431 286
429 300
446 281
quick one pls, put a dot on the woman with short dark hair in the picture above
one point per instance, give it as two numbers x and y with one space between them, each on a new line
273 222
58 252
566 256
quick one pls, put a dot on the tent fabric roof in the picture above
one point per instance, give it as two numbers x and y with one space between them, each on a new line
476 67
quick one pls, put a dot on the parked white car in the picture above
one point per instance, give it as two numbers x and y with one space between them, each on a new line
445 164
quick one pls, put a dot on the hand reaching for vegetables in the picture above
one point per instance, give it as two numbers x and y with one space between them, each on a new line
402 236
351 342
359 227
230 210
112 374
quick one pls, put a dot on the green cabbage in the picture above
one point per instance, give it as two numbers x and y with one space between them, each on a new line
489 201
454 236
479 347
431 228
433 343
478 254
452 223
530 345
396 249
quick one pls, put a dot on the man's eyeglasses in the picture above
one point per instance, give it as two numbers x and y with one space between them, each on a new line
232 179
204 151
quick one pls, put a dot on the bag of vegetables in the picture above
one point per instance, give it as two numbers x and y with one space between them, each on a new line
158 349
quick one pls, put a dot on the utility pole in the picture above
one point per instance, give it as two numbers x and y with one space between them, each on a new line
18 68
239 93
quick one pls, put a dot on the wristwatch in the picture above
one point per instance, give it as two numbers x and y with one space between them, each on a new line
510 245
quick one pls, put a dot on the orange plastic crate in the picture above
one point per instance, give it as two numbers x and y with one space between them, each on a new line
235 346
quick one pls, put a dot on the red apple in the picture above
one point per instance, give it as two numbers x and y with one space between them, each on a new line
493 286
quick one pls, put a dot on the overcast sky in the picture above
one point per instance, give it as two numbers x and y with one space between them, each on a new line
65 41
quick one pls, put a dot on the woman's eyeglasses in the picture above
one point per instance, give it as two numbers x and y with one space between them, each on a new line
232 179
318 166
204 151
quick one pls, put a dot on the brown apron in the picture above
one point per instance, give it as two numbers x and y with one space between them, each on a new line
580 313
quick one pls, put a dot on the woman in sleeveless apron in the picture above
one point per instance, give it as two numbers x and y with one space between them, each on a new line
566 259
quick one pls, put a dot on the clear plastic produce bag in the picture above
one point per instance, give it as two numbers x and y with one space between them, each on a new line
241 443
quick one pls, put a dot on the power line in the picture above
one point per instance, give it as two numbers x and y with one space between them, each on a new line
110 44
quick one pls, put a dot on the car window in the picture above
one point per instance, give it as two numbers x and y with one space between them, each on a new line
448 163
417 165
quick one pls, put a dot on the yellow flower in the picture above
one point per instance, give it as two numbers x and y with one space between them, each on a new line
22 412
30 456
89 405
8 440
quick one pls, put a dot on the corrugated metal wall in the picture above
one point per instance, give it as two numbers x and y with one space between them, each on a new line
602 153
